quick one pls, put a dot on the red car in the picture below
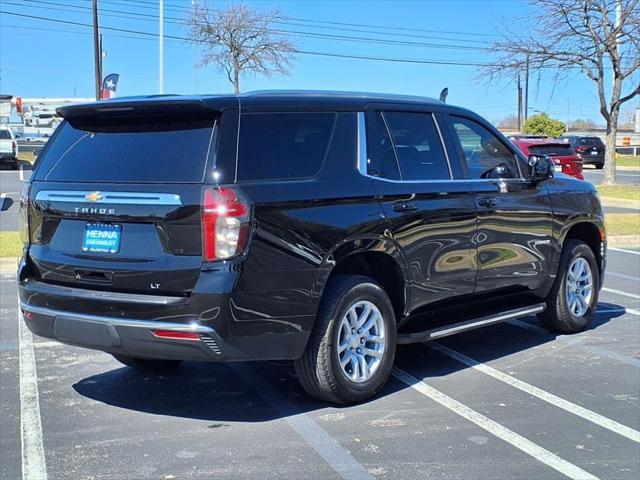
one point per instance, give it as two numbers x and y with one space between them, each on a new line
563 155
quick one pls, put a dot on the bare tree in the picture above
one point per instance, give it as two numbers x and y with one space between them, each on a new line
596 38
240 40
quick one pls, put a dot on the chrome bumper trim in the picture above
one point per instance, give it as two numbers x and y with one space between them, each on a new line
121 322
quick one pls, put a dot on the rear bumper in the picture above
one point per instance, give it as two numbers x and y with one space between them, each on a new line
8 157
592 159
123 323
123 336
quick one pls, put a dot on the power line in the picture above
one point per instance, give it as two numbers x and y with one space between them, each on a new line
183 8
305 34
302 52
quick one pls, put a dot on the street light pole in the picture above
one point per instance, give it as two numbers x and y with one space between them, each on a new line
161 48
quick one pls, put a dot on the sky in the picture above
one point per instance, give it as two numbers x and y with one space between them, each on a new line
43 58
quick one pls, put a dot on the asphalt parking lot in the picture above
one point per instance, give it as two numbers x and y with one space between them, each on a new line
507 401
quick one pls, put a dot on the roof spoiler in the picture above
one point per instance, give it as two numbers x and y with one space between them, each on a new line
144 107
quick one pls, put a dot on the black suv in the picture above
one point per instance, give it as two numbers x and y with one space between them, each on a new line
590 148
323 228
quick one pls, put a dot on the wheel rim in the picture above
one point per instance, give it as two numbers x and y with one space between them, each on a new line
579 287
361 341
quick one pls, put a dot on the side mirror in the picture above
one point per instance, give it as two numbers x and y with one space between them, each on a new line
542 168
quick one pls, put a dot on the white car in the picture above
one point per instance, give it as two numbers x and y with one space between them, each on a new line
8 148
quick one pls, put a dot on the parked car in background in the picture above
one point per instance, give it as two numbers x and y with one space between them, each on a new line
567 160
8 148
590 148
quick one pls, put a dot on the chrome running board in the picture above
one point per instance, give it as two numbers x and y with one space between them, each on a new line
460 327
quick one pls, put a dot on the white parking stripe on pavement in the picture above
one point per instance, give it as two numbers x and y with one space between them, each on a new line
575 341
620 292
634 252
566 405
525 445
621 275
34 466
630 311
324 444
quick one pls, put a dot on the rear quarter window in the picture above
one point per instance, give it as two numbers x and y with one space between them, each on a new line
137 153
283 145
5 135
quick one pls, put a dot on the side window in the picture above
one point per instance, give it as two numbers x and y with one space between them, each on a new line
485 154
382 161
283 145
418 146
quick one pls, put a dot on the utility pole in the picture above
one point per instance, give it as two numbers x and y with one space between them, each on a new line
519 105
97 54
526 90
101 61
568 105
196 61
161 49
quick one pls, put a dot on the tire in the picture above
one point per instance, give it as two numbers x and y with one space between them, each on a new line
599 166
320 370
559 316
148 364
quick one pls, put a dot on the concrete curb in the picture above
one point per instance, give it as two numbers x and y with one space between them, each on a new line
623 241
8 265
619 202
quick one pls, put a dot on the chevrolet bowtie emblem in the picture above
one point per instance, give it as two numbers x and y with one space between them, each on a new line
93 197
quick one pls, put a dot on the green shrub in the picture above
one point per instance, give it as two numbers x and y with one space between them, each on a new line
543 124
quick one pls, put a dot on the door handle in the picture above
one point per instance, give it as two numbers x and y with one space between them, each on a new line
405 207
488 202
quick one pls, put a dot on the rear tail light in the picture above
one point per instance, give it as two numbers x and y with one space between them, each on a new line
175 335
14 146
23 216
225 223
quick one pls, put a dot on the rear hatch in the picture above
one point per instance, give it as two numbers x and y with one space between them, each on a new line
590 147
115 199
563 155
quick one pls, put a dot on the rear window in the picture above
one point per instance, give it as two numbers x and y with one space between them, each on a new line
5 135
283 145
157 152
591 142
558 150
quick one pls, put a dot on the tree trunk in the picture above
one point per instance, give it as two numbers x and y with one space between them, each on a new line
236 76
610 150
236 83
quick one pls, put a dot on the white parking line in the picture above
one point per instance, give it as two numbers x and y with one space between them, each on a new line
575 341
34 466
620 292
633 252
621 275
619 310
525 445
21 173
338 457
566 405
